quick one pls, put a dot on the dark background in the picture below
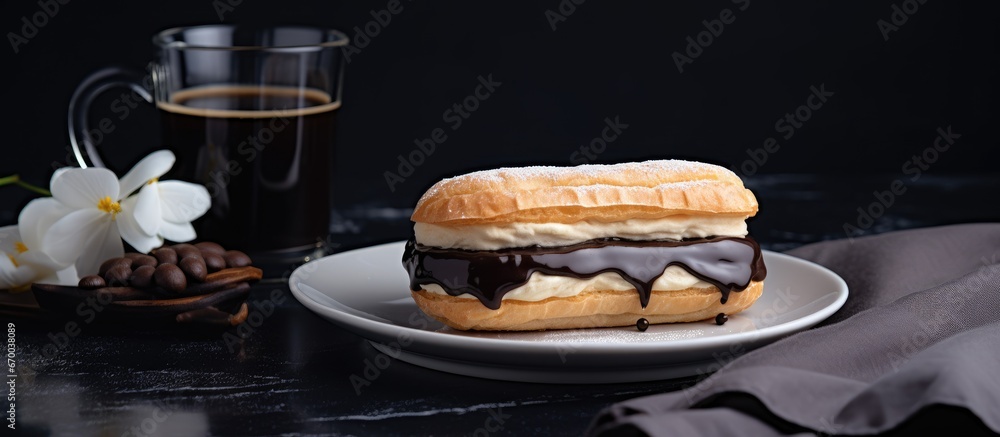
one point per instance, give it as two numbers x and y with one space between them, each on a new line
606 59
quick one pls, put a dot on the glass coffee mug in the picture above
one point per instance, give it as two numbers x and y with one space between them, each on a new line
250 113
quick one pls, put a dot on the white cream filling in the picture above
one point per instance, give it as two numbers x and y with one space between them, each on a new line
493 236
541 286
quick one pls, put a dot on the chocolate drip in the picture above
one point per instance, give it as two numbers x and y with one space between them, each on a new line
642 324
729 263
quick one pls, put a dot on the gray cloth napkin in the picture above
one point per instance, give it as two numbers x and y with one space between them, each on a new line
916 347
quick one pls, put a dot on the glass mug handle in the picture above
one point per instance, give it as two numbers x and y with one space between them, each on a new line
79 107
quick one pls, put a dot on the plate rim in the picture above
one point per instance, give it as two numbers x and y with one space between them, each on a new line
354 323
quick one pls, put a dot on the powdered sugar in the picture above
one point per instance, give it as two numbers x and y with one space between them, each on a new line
637 175
595 171
676 185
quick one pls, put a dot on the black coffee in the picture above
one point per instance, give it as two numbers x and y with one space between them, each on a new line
265 156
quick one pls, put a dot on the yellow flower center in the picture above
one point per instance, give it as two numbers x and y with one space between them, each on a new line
152 181
13 260
20 247
109 206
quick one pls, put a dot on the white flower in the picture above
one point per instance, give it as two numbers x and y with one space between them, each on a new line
21 262
91 219
21 259
175 204
89 214
35 219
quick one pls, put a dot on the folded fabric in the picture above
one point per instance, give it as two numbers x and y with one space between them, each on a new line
916 346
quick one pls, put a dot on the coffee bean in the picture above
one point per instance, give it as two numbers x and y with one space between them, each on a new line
142 277
235 258
170 277
185 250
165 255
213 261
194 267
210 247
139 260
117 276
112 263
91 282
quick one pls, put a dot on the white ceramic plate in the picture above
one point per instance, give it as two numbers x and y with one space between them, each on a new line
366 291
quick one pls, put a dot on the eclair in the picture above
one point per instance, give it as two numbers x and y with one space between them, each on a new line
536 248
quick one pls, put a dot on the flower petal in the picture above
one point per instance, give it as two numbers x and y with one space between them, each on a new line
38 259
131 229
146 209
36 218
9 235
59 171
104 244
137 239
154 165
84 187
69 237
7 270
13 277
177 232
65 276
183 201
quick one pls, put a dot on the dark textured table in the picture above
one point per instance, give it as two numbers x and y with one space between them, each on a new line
291 375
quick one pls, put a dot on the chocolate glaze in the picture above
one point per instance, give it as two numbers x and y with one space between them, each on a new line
729 263
642 324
